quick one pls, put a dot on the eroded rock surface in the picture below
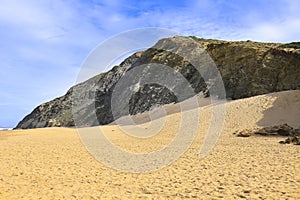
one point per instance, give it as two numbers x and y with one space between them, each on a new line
247 69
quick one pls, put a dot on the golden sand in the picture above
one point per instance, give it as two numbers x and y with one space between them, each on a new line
52 163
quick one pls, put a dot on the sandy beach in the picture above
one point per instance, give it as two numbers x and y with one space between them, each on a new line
52 163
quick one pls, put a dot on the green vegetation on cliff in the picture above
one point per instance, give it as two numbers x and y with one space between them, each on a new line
294 45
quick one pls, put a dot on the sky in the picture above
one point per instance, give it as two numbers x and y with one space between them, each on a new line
44 43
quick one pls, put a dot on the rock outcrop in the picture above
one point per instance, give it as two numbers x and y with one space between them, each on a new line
294 138
278 130
247 69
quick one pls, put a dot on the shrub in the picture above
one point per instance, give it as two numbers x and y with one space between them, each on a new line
295 45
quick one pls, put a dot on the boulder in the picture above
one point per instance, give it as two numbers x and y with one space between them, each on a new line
278 130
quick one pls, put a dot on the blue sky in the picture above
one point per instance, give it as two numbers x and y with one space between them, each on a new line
44 43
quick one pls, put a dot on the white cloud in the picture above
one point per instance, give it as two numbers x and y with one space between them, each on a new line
43 43
279 22
286 31
21 13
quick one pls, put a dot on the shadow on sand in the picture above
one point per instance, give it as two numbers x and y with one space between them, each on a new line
285 109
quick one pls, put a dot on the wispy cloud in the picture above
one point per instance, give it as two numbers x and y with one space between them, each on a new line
43 43
270 21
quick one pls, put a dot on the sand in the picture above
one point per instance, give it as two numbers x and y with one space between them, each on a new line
52 163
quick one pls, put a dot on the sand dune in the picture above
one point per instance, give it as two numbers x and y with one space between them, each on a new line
52 163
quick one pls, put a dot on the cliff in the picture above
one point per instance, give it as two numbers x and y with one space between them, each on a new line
247 69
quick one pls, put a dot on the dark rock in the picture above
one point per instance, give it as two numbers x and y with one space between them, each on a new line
297 131
148 96
281 130
294 138
291 140
285 130
278 130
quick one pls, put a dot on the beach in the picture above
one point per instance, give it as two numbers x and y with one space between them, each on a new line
52 163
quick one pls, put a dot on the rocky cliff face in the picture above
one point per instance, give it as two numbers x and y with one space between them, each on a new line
247 69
